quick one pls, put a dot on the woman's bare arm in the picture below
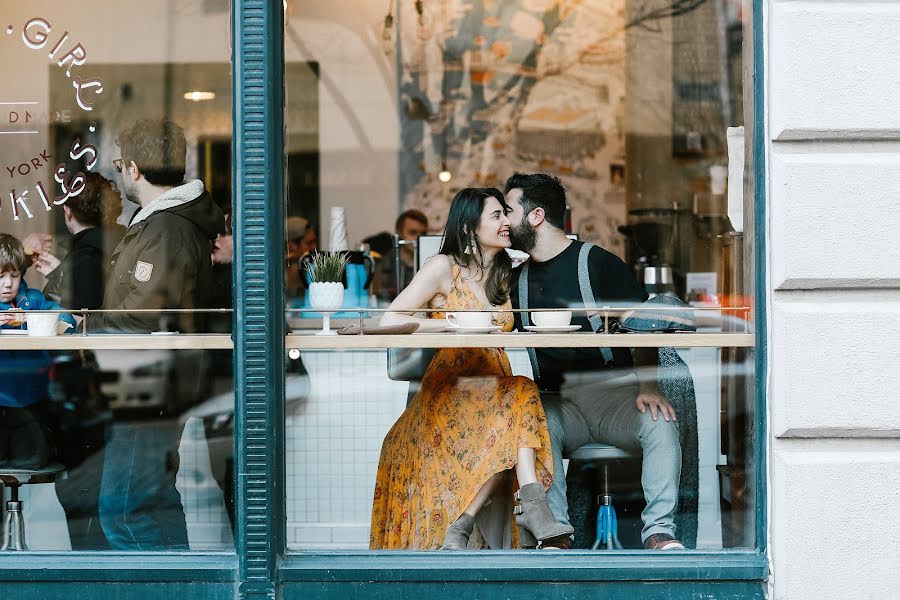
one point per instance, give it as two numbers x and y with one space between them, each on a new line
432 279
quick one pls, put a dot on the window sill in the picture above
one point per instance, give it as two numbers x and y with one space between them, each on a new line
130 567
350 566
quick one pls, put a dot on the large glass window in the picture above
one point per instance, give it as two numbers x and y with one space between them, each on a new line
392 117
115 256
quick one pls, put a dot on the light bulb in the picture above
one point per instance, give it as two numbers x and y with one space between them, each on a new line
444 175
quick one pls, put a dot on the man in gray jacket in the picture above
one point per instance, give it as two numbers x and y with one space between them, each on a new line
163 261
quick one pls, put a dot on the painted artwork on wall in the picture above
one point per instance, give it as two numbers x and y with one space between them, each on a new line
488 88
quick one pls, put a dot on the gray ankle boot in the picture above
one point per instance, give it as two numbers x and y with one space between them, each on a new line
533 514
457 535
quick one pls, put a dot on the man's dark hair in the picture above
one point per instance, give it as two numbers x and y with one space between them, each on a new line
415 215
540 190
158 148
99 197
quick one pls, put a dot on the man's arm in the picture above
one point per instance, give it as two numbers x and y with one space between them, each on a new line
159 272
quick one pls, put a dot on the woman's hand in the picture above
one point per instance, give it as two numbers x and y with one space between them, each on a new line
45 263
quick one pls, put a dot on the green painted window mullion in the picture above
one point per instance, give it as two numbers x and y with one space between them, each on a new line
760 296
258 176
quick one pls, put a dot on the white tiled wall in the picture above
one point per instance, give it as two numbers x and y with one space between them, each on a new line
333 441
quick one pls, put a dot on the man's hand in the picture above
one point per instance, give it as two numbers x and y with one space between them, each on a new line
657 404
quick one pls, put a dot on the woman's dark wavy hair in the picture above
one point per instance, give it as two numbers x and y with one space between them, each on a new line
459 234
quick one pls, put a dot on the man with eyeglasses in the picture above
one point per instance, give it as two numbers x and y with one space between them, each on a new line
163 262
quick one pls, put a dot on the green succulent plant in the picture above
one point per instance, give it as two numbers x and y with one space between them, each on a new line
326 267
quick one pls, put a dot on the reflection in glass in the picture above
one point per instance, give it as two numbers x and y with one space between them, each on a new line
116 143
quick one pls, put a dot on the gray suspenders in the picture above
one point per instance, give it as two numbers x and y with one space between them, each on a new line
523 304
587 298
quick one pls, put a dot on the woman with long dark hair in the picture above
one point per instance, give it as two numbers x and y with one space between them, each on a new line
472 421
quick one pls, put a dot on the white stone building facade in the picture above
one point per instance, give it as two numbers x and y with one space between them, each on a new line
833 254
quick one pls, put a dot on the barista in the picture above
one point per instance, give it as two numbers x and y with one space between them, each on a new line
301 240
409 226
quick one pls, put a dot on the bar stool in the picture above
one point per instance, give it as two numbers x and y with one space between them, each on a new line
14 526
607 521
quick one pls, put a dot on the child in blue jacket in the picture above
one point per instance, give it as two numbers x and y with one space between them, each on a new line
23 373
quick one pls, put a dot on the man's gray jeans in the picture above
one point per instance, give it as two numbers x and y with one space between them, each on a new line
599 407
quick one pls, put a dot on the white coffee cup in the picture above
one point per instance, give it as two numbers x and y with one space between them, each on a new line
470 320
41 324
546 318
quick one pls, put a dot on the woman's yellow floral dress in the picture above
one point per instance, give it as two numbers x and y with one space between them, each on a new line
467 422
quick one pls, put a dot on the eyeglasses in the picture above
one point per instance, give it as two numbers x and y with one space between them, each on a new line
118 163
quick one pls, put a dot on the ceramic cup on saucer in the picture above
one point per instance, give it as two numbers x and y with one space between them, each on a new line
470 320
547 318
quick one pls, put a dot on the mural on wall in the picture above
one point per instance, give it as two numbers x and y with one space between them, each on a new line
488 88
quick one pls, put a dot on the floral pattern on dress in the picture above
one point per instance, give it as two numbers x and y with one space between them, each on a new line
466 423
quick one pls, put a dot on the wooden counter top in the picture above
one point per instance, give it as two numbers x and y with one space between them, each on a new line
416 340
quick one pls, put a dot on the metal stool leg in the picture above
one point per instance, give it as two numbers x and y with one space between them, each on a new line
14 527
607 521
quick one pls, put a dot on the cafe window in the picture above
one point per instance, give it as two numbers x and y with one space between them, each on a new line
118 393
116 129
638 109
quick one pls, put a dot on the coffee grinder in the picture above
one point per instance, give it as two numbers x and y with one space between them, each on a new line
652 235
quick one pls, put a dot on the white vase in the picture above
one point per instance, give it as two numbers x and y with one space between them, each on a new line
326 295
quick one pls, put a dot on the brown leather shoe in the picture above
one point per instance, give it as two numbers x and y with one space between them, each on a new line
662 541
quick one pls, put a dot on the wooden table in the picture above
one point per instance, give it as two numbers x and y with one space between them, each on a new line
311 341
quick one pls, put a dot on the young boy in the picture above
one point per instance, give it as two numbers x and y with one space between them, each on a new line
23 374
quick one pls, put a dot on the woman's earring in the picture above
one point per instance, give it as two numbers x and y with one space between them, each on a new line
470 245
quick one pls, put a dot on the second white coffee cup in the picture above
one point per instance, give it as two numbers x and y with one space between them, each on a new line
552 318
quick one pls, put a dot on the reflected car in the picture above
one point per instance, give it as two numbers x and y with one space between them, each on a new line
161 380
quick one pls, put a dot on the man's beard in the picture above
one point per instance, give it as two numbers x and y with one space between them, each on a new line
131 195
523 236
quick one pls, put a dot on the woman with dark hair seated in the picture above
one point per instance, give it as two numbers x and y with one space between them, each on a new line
472 421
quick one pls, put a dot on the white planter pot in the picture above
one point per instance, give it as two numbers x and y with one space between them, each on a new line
326 295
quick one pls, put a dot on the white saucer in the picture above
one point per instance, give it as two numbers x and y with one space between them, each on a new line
490 329
552 328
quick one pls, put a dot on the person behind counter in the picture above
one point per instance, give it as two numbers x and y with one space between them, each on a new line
409 226
301 240
77 281
471 420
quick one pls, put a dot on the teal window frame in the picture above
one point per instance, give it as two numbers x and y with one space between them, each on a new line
261 567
